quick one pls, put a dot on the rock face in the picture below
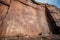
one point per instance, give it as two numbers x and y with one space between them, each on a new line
5 1
24 17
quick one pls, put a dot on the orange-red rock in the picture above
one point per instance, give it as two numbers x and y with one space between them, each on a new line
27 18
3 12
5 1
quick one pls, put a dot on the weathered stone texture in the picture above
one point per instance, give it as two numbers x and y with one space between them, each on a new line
55 14
3 12
5 1
23 17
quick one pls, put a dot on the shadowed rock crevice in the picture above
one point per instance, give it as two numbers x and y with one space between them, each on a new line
51 21
4 3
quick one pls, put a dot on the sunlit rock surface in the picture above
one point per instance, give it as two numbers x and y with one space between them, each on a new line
24 17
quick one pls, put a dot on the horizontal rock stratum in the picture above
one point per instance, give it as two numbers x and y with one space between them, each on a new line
25 17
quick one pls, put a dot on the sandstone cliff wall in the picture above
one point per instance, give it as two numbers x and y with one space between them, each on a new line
24 17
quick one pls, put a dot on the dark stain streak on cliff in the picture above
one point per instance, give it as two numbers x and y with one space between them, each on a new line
4 3
51 22
30 5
